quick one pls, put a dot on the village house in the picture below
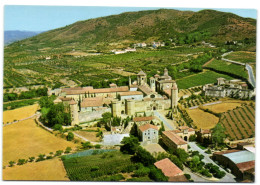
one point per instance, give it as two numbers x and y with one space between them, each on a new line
170 170
148 133
173 141
203 134
143 120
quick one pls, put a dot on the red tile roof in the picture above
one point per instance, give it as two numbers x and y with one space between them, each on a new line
245 166
183 127
65 99
168 168
72 102
80 90
137 119
205 131
145 89
147 126
129 93
174 137
92 102
226 152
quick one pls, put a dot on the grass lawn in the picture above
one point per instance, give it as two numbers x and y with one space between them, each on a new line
96 167
47 170
25 139
200 79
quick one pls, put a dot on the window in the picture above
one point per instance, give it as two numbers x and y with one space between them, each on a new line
154 132
148 137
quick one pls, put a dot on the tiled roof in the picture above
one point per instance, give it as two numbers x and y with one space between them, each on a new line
179 178
147 126
168 168
92 102
72 91
183 127
174 137
137 119
226 152
141 73
129 93
72 102
145 89
65 99
205 131
245 166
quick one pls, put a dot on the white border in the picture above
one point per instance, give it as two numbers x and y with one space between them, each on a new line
248 4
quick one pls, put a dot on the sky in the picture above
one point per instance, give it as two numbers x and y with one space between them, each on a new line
43 18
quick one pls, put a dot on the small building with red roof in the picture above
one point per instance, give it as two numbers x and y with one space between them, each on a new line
169 169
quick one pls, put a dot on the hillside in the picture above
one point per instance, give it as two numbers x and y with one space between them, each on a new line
132 27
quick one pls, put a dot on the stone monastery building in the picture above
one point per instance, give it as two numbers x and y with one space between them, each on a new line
87 103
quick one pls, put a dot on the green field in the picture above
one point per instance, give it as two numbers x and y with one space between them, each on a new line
96 167
200 79
237 71
242 56
22 69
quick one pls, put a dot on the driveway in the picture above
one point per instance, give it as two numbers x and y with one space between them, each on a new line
163 119
228 177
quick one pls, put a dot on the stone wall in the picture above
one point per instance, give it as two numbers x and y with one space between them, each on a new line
90 116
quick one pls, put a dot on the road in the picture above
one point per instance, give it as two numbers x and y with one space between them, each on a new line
248 68
251 75
228 177
163 119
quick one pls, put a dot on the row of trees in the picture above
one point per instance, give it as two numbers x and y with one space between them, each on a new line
26 94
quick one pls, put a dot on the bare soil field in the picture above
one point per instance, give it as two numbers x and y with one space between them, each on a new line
25 139
202 119
91 136
20 113
52 169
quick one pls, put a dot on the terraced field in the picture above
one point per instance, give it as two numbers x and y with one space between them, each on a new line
238 71
239 123
242 56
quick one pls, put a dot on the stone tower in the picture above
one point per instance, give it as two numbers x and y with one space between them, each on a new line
174 96
130 107
165 72
129 81
74 112
116 108
141 78
152 83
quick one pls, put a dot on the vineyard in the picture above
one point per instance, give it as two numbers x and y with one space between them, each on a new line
239 123
234 70
200 79
242 56
96 167
199 100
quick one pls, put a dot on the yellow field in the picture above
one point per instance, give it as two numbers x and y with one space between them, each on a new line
52 169
225 106
202 119
25 139
20 113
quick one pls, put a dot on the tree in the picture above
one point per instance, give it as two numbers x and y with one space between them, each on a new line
86 145
161 129
176 161
11 163
130 144
134 130
157 175
218 134
182 155
143 156
70 136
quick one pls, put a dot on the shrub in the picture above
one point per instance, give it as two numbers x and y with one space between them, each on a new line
97 146
31 159
94 168
41 157
141 172
157 175
21 161
70 136
49 157
58 152
57 127
68 150
11 163
187 176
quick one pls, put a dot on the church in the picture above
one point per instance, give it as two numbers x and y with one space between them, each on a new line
87 103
